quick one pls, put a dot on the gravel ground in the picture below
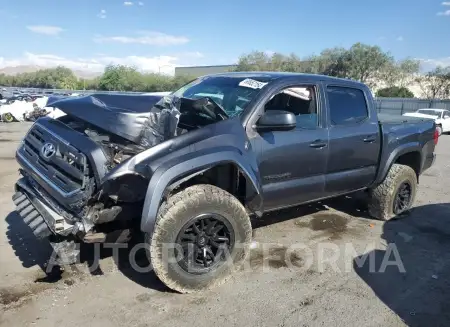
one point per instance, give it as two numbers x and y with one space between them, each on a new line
402 282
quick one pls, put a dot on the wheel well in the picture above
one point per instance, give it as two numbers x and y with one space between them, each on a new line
411 159
226 176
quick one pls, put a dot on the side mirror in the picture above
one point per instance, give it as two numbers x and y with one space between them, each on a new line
276 120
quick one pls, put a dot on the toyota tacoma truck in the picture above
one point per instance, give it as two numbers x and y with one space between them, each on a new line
190 169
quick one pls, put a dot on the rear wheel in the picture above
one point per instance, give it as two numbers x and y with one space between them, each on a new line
202 235
395 195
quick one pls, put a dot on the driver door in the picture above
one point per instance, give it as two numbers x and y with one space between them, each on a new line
292 163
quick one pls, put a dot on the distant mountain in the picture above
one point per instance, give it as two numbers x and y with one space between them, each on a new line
14 70
87 74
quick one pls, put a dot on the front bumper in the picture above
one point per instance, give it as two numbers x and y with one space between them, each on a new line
38 213
45 222
40 226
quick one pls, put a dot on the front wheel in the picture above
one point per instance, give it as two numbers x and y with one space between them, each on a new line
202 235
395 195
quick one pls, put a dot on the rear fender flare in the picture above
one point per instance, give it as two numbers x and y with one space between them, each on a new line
165 177
395 154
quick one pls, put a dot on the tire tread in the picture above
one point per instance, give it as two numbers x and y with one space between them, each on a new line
381 196
166 220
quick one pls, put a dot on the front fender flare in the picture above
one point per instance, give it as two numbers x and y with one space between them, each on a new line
164 177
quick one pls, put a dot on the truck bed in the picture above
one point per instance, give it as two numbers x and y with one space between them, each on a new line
389 118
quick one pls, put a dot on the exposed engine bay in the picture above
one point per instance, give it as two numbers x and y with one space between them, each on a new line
168 118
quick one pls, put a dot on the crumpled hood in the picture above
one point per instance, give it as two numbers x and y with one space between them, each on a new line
124 115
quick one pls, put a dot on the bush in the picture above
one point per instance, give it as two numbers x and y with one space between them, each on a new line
395 92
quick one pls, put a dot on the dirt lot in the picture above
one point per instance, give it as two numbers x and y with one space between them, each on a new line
343 292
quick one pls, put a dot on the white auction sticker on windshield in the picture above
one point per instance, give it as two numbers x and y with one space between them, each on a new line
251 83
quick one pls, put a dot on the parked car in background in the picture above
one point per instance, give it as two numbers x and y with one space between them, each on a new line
19 110
441 117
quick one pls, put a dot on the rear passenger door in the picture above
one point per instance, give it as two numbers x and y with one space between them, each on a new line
354 140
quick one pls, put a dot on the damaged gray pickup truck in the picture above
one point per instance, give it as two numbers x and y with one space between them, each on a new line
189 169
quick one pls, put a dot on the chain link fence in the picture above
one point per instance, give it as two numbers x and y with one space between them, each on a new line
399 106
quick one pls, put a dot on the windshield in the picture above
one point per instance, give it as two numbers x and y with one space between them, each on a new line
231 93
430 112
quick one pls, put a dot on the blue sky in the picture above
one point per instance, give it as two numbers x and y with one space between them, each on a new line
158 35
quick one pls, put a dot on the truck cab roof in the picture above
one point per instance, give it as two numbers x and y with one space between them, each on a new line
272 76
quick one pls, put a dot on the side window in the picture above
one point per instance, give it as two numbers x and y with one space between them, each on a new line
301 101
347 105
446 115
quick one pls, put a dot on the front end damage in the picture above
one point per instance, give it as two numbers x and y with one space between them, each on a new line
80 177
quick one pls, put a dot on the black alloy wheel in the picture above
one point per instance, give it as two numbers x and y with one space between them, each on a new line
205 240
402 198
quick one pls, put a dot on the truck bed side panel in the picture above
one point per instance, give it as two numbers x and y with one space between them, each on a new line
405 136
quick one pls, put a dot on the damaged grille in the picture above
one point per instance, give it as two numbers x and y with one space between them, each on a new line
55 160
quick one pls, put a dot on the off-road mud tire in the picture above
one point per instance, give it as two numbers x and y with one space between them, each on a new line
179 209
381 198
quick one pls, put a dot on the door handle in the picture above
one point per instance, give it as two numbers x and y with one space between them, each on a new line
369 139
318 144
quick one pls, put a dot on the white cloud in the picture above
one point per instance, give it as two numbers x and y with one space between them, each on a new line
164 63
128 3
102 14
145 37
444 13
400 38
446 3
45 29
430 64
140 3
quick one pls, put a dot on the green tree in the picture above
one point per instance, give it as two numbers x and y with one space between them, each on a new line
364 63
254 61
118 78
400 73
395 92
64 78
361 62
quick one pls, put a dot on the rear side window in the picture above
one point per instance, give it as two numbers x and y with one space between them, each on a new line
347 105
